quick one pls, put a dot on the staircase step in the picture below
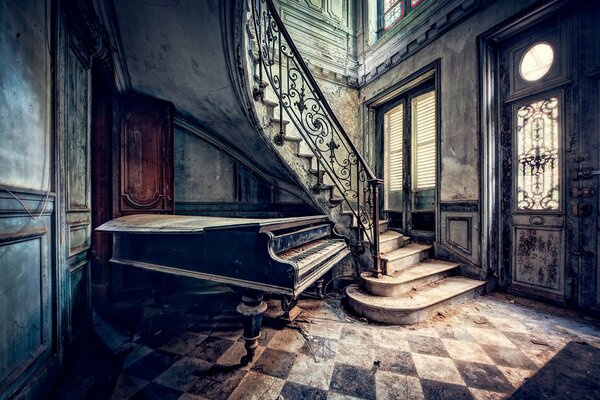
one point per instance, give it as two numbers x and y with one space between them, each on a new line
416 306
403 257
413 277
292 138
322 187
335 201
391 240
306 155
270 103
276 121
383 225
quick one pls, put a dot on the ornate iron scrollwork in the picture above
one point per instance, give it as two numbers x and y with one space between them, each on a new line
302 100
538 155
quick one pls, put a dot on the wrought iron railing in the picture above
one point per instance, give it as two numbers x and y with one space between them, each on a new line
305 105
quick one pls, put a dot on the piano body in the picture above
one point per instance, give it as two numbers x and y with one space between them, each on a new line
277 255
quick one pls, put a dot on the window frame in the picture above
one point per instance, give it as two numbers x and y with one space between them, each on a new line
409 210
408 9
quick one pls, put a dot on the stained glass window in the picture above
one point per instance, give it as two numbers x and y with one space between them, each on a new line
538 178
394 10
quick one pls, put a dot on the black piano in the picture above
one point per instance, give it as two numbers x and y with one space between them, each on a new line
281 256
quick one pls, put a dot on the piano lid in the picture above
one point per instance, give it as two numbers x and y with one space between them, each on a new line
160 223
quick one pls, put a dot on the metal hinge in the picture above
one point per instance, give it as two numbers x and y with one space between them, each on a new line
583 192
587 172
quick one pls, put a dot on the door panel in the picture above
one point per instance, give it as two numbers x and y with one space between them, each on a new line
144 178
75 179
544 144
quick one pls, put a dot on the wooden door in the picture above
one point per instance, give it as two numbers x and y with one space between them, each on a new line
546 225
144 175
73 122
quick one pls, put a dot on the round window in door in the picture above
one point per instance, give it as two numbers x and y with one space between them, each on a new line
536 62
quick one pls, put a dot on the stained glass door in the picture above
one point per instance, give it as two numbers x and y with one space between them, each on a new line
534 127
537 206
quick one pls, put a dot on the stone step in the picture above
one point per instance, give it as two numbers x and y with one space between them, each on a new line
383 225
417 305
396 260
410 278
391 240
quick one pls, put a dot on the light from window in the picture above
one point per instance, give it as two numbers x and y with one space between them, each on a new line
424 134
393 11
414 3
394 145
536 62
538 169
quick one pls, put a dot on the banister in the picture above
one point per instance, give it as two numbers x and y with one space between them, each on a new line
309 76
309 111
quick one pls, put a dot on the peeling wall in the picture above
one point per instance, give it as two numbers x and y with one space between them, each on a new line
24 100
458 54
28 288
324 32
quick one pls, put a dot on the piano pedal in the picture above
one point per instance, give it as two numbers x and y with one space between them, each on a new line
292 314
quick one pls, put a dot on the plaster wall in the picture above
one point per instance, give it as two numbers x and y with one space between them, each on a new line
208 180
324 32
458 54
29 349
24 95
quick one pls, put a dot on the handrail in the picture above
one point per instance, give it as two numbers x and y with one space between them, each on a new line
302 99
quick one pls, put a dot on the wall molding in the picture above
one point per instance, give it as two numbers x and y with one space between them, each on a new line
390 51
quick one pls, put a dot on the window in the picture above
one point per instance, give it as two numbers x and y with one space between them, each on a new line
536 62
423 137
409 151
394 145
392 11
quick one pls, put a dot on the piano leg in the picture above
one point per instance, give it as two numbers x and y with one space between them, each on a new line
252 308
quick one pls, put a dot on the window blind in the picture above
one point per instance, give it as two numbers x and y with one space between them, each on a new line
394 138
423 139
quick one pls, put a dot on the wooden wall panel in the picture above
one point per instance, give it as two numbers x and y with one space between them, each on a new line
143 177
26 316
145 159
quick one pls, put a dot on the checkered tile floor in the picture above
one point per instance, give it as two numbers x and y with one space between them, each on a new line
484 349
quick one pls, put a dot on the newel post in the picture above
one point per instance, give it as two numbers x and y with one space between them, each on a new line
375 186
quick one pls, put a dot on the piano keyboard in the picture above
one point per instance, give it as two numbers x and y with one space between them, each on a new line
310 255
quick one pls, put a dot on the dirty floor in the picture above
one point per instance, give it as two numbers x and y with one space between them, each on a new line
188 347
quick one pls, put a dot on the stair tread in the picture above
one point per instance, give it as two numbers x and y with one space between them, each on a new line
306 155
292 138
423 297
417 271
405 251
389 236
277 120
270 103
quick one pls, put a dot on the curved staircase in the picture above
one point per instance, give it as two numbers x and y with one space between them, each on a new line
414 286
295 116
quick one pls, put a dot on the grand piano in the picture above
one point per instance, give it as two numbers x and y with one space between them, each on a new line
281 256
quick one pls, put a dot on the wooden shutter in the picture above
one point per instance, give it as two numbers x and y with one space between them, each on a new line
394 137
423 137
